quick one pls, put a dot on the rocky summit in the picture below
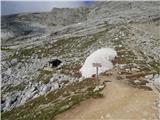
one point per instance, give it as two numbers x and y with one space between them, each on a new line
32 42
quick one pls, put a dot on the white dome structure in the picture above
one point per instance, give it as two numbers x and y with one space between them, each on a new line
104 56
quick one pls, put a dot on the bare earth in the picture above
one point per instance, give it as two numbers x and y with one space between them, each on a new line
120 102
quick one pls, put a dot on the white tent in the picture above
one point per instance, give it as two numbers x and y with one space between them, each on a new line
104 56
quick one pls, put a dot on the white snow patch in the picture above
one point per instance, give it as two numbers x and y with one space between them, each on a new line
104 56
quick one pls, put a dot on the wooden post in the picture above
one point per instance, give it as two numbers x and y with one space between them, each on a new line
96 65
97 72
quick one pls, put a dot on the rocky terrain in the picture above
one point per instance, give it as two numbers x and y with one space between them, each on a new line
30 41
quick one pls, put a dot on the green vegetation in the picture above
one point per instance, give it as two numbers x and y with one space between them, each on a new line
58 48
71 69
19 87
52 24
26 52
23 54
48 106
92 40
11 57
155 66
6 49
44 76
125 56
88 43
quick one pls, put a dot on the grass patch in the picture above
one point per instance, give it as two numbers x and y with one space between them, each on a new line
6 49
93 40
71 69
19 87
44 76
58 48
25 53
125 56
48 106
155 66
10 58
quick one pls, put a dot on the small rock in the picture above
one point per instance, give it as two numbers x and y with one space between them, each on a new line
52 79
120 45
149 76
135 70
102 117
9 71
99 87
14 61
108 116
136 81
46 88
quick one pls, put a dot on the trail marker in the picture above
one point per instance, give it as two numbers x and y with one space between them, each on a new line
97 65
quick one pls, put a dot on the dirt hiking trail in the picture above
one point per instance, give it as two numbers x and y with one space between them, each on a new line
120 102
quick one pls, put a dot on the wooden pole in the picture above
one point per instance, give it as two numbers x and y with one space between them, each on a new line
97 65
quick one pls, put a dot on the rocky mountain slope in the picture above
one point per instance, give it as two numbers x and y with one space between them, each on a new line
30 40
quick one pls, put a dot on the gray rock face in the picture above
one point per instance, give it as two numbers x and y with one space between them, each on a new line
154 81
98 88
30 40
45 89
